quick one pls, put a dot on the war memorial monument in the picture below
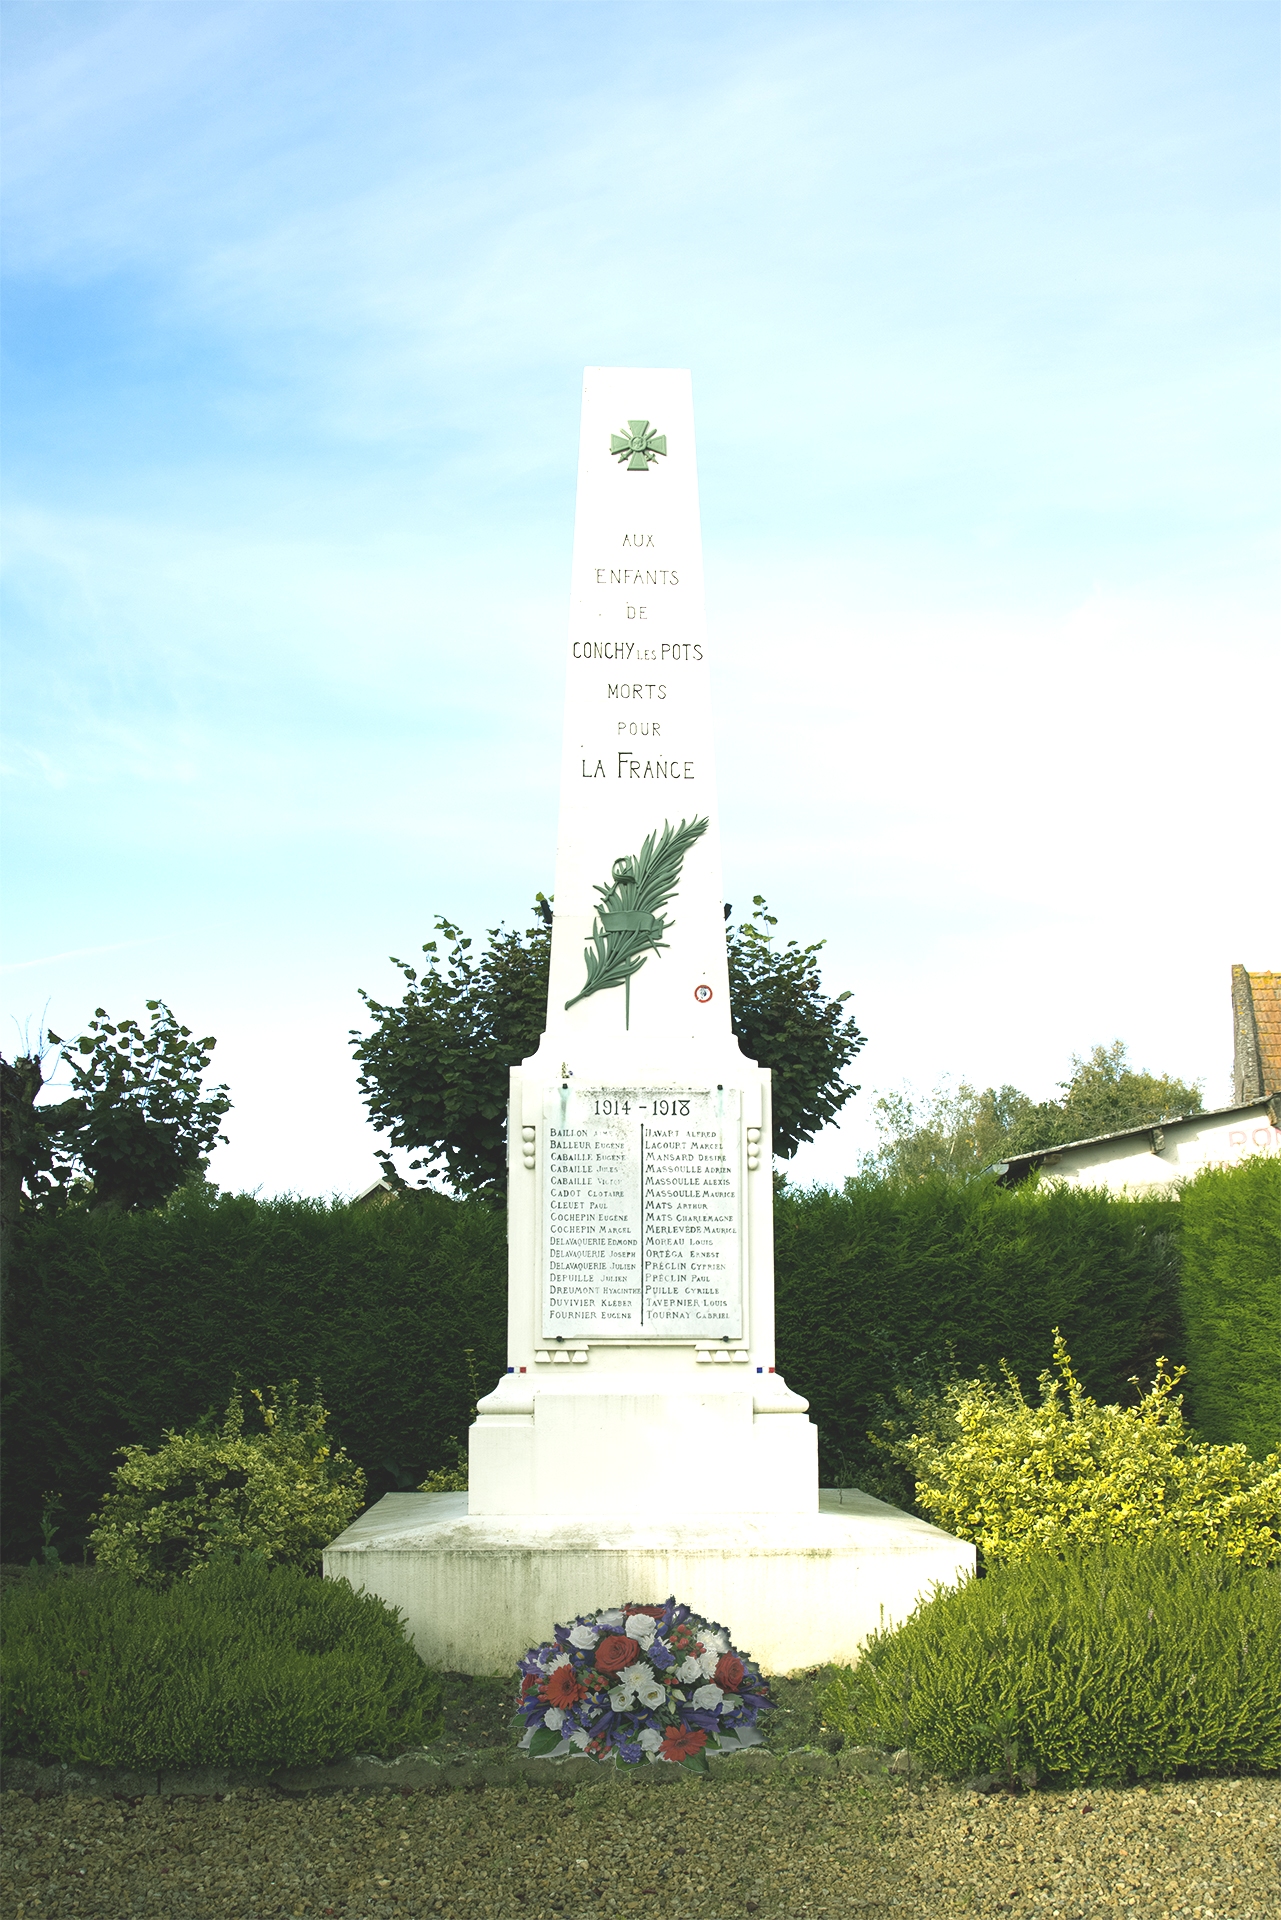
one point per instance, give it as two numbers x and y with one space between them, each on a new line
640 1442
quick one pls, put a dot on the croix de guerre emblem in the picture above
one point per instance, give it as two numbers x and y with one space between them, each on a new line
638 448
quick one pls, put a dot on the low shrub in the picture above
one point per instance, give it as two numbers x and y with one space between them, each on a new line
279 1492
242 1665
1018 1479
1098 1666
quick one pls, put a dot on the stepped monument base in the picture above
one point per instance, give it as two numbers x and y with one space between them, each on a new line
797 1590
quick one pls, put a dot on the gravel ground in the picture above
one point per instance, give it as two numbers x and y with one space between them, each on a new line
698 1848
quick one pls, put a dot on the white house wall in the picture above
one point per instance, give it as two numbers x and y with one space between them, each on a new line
1129 1164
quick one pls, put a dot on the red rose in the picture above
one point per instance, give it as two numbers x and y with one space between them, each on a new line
615 1652
729 1672
680 1742
562 1688
652 1613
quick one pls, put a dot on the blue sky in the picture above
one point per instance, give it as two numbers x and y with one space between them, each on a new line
980 302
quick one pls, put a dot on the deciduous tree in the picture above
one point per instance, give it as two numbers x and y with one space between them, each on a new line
434 1068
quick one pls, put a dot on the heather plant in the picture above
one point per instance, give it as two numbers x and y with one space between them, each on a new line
1019 1478
248 1666
278 1492
1090 1666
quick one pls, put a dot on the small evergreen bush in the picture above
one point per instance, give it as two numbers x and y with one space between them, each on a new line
279 1492
1020 1479
1097 1666
243 1665
1231 1295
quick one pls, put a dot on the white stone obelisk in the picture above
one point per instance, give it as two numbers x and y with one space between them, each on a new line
641 1294
640 1442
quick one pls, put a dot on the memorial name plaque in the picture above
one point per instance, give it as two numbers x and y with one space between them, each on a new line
643 1213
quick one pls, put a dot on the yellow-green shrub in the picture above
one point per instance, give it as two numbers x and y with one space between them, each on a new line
1018 1479
277 1493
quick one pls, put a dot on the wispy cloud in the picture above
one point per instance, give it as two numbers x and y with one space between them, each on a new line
75 953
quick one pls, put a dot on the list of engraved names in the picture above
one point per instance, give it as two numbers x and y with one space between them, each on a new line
643 1215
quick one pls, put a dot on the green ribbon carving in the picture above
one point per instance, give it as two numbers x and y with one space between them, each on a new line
629 923
639 448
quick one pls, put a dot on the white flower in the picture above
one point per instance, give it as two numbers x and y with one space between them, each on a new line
613 1619
690 1668
561 1661
650 1694
638 1675
641 1628
579 1739
707 1698
584 1638
707 1662
620 1698
717 1642
649 1738
553 1718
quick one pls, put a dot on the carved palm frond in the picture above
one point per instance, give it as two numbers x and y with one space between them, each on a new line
640 889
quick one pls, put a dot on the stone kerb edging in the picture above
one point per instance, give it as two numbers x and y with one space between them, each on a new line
423 1771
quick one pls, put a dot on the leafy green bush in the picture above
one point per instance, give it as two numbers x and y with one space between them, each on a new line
244 1665
1093 1667
279 1493
1231 1296
1019 1479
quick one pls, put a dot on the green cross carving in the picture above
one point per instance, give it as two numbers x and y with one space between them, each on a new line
639 448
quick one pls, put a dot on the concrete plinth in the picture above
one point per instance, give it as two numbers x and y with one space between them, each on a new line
795 1590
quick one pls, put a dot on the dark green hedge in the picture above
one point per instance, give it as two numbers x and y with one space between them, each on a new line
878 1285
126 1324
1231 1296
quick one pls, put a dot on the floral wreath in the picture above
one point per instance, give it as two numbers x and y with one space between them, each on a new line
639 1683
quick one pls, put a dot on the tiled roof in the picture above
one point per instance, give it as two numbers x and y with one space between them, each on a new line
1256 1031
1265 991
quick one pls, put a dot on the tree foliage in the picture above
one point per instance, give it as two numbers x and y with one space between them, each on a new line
1104 1095
961 1130
434 1068
783 1019
139 1121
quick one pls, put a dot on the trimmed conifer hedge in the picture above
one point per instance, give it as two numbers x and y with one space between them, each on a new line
885 1283
1231 1299
124 1325
127 1324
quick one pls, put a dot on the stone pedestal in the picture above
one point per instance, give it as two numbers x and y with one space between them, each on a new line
796 1590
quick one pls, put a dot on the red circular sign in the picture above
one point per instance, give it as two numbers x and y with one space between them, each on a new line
702 995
